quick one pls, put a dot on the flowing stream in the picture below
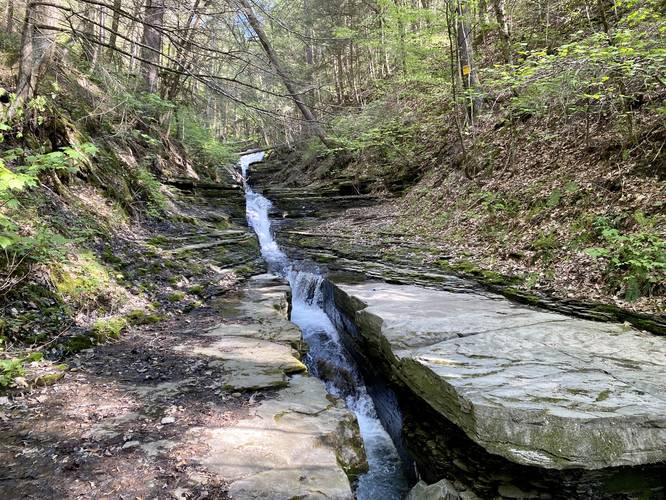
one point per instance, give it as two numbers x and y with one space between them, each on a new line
327 358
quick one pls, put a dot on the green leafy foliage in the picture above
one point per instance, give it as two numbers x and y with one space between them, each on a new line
151 189
9 370
200 142
109 328
636 261
149 106
23 176
588 74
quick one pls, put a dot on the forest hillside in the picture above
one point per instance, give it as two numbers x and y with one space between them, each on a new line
544 163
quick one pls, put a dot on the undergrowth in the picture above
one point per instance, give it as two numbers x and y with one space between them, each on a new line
559 176
71 183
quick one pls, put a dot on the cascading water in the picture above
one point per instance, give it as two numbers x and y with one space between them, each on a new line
327 358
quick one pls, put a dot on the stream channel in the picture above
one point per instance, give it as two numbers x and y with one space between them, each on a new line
327 358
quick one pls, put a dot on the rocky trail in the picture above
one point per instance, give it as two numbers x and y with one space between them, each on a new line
199 412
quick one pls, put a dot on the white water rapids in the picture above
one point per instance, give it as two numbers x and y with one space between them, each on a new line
327 358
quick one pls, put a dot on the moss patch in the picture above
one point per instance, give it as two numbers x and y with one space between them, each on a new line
141 317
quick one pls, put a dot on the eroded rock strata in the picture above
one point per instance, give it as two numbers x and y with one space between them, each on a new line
557 405
300 443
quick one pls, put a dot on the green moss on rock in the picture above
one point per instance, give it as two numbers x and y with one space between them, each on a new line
141 317
79 343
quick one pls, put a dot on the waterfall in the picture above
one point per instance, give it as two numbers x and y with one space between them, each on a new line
327 358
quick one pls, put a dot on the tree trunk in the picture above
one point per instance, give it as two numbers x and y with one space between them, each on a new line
185 60
282 73
101 35
115 24
37 49
483 20
88 31
309 52
9 16
466 57
505 33
601 6
152 43
402 51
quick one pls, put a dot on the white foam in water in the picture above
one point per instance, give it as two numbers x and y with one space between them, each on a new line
385 479
257 208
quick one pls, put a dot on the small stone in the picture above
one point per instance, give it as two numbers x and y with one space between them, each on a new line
167 420
131 444
512 491
21 382
236 394
181 494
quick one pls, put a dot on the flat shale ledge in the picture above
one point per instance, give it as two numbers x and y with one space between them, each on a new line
537 388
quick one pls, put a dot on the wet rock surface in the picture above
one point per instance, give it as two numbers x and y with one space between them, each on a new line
537 388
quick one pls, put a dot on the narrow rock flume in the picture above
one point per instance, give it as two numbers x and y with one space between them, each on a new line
327 358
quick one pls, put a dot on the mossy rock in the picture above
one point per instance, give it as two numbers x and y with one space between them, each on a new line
83 281
34 357
49 378
140 317
196 290
176 296
110 257
79 343
158 241
521 296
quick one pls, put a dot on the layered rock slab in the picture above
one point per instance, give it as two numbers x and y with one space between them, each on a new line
300 442
299 445
535 387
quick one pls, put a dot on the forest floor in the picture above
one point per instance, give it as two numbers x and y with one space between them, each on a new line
115 426
200 399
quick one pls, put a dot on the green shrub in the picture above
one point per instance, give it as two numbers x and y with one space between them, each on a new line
636 261
151 189
109 328
145 104
24 241
9 370
545 245
200 143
